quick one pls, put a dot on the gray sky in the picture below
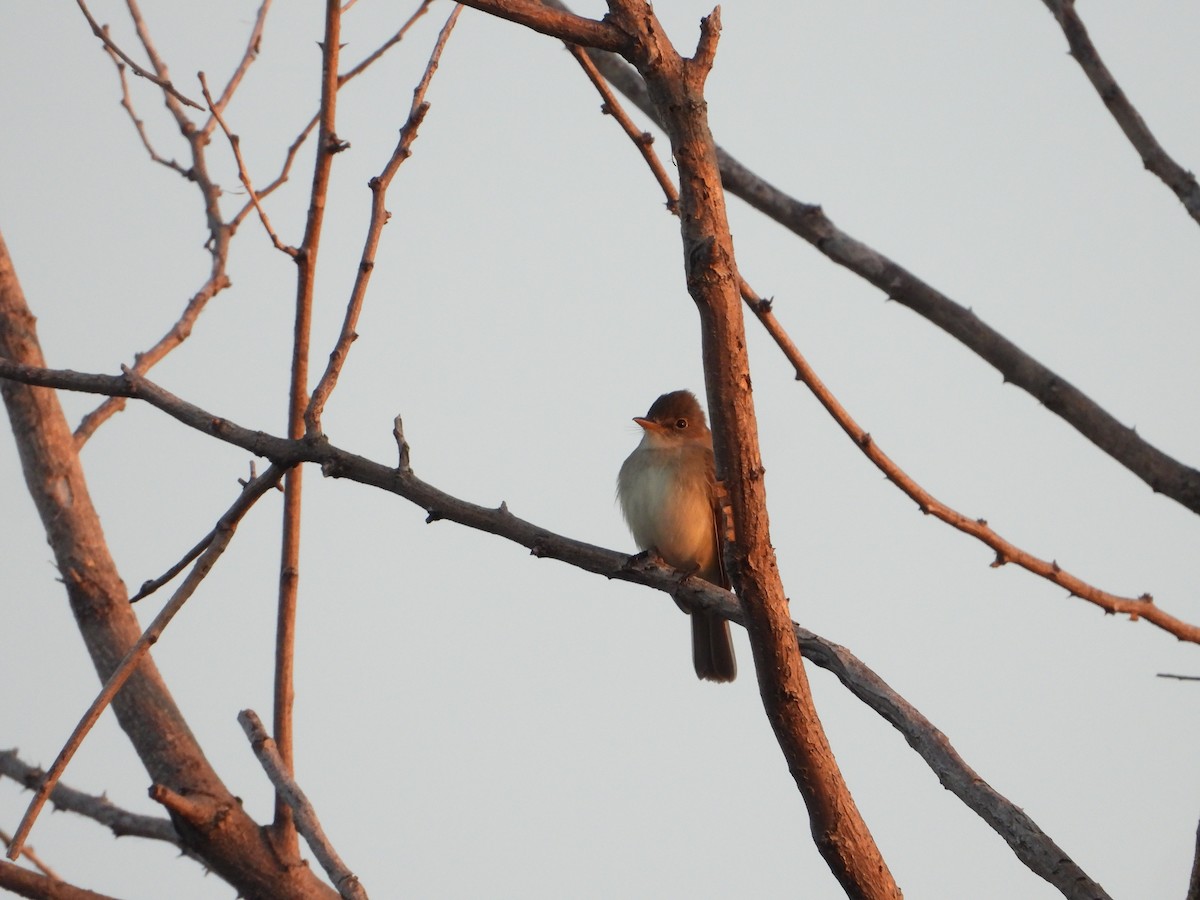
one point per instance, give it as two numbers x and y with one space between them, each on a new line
473 722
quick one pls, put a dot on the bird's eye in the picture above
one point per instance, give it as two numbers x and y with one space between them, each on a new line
681 423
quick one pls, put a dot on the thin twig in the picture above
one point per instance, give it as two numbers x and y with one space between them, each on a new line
26 883
164 83
171 99
1006 552
30 854
307 823
553 21
235 144
385 46
220 232
146 360
253 45
227 526
150 585
1178 677
139 125
379 217
1154 157
99 808
643 140
294 148
283 828
1032 846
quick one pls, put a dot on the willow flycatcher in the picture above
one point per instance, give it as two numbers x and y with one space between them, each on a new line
667 489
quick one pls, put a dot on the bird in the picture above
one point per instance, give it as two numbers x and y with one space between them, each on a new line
667 492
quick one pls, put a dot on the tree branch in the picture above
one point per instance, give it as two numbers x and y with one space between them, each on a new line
294 147
1154 157
220 231
1141 607
235 144
556 22
164 83
379 217
253 45
37 886
121 822
265 750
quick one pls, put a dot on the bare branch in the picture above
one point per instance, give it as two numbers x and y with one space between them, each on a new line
1154 157
328 145
37 886
30 854
279 772
220 232
251 54
164 83
294 147
379 217
138 124
566 26
243 174
121 822
385 46
643 140
1134 607
143 362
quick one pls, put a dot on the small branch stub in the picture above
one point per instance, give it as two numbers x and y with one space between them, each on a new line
403 465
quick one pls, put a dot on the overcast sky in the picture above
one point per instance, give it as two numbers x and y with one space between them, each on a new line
473 722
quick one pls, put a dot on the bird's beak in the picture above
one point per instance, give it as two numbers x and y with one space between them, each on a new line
647 424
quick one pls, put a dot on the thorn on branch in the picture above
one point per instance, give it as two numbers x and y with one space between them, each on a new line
253 474
434 516
336 145
865 441
637 562
1000 560
981 522
1146 598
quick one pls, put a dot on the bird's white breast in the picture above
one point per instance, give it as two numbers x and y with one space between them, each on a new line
670 514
